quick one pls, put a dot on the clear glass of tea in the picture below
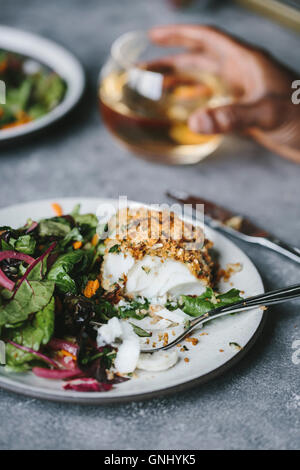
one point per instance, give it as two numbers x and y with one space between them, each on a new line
146 103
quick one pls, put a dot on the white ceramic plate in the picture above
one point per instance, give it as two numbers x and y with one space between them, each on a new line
56 58
210 357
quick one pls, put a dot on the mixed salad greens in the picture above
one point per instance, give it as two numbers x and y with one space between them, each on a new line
50 295
32 90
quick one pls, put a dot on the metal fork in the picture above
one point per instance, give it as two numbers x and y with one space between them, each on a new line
262 300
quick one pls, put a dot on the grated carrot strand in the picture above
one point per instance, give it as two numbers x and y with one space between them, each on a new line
57 209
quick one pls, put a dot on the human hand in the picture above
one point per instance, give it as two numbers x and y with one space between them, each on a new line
262 107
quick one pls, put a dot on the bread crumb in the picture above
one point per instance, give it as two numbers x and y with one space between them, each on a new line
194 341
231 268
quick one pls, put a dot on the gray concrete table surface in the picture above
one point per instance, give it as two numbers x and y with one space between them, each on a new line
254 406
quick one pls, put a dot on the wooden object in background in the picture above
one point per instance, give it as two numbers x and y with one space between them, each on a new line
286 12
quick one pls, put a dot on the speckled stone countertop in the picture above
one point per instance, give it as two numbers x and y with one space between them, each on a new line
254 406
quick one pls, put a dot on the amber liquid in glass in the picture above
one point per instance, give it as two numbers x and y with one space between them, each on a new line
150 118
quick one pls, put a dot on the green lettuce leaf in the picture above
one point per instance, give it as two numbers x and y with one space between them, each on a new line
30 297
32 335
61 269
67 267
233 295
139 331
90 220
196 306
55 227
133 309
73 236
25 244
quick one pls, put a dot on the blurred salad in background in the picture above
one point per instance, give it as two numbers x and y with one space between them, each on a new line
32 89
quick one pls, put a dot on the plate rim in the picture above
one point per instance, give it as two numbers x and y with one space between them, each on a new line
89 398
75 88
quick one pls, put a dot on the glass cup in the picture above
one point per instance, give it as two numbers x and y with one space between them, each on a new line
145 102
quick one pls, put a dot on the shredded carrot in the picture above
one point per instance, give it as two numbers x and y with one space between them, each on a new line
77 245
22 118
57 209
95 239
67 353
91 288
3 66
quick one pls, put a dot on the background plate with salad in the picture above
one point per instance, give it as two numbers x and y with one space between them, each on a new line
43 82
